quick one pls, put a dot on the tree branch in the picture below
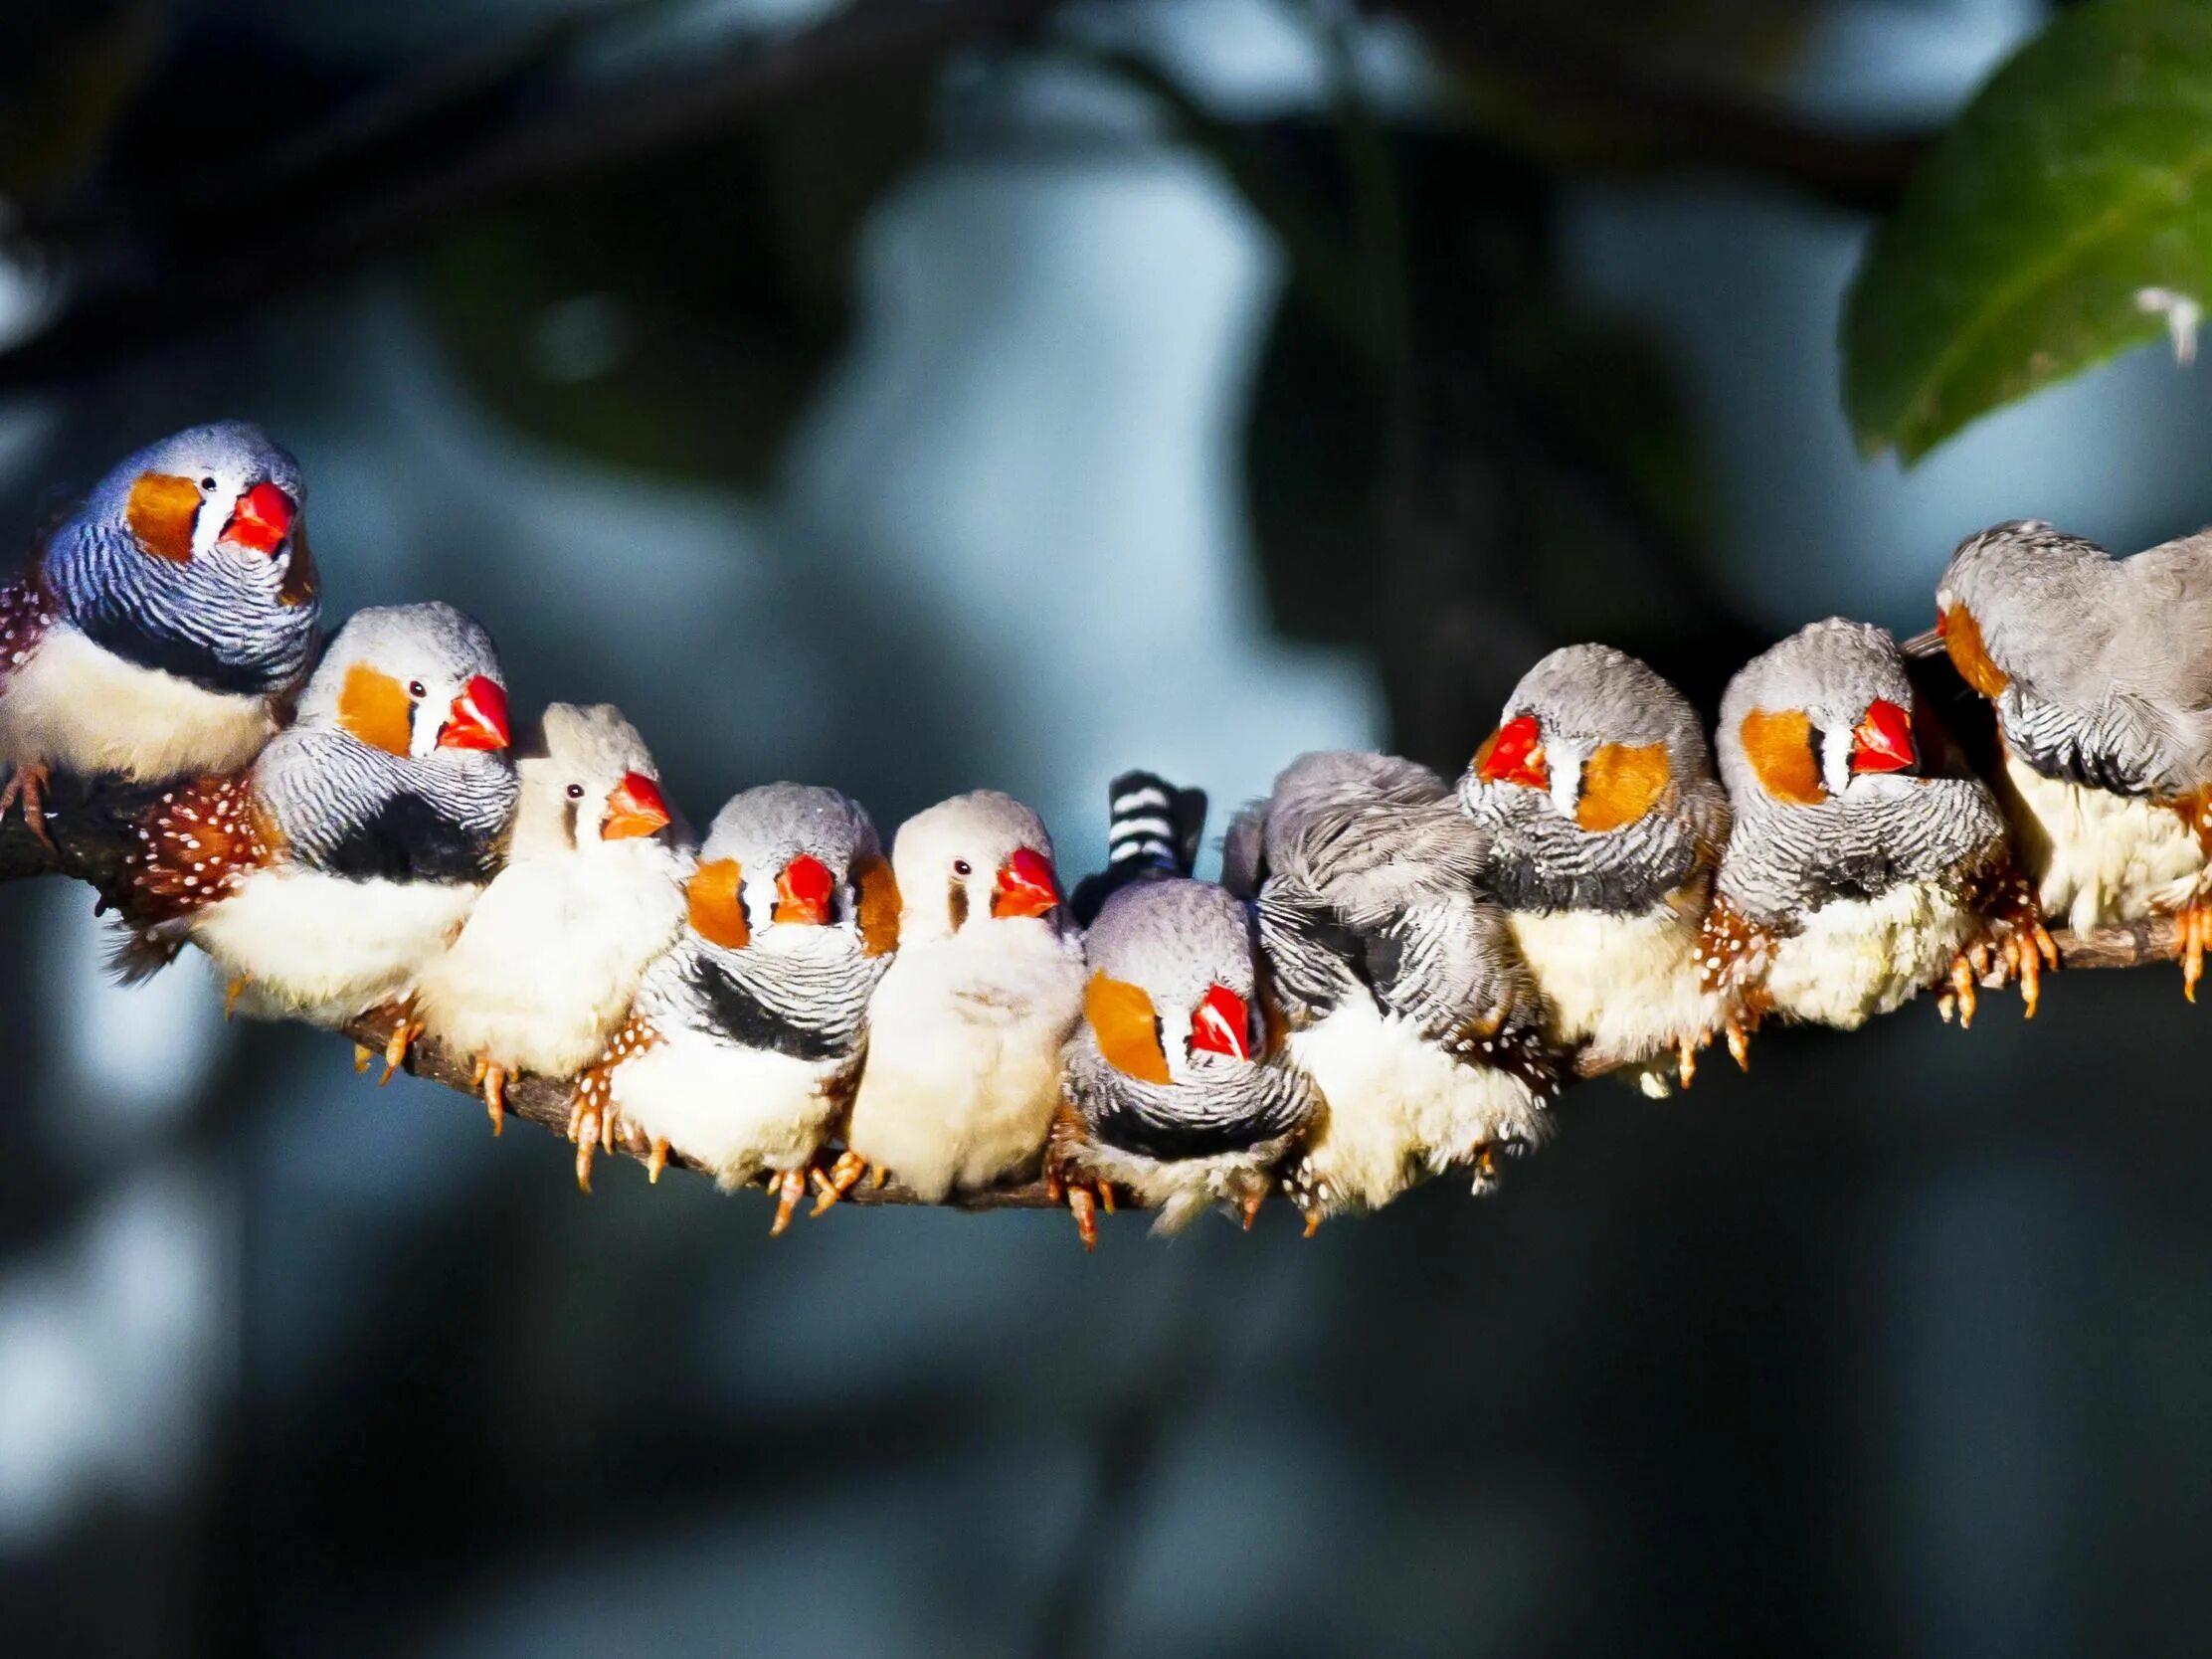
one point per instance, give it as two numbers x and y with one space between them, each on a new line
90 830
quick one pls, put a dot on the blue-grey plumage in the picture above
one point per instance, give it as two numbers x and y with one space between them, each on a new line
161 628
1857 874
1179 1088
748 1032
2099 670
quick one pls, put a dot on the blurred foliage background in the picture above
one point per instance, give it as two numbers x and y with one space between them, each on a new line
914 395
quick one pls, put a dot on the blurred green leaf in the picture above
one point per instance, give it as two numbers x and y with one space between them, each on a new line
2030 243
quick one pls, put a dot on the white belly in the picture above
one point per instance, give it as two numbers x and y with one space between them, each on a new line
1624 986
547 963
964 1064
325 950
2096 856
737 1111
1396 1108
83 710
1859 957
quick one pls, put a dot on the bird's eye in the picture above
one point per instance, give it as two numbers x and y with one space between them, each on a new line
207 486
416 688
576 791
960 866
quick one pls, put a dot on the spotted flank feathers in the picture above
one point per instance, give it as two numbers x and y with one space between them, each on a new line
193 847
27 612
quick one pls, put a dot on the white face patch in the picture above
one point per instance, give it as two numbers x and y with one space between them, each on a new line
1566 757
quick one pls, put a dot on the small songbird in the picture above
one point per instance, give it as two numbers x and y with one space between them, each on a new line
1153 836
161 630
1408 1004
2099 670
1856 877
965 1026
592 892
1179 1091
326 876
1604 825
748 1032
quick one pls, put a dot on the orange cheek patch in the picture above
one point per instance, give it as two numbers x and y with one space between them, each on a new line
1962 639
161 514
718 909
299 576
1620 784
1127 1029
376 708
878 908
1779 747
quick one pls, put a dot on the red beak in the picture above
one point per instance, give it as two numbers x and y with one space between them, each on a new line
803 891
633 807
1882 741
1515 755
479 718
1026 885
1222 1024
261 519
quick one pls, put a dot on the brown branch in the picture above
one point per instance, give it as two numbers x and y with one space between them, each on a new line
91 835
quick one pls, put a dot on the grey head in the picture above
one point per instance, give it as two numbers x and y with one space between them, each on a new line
794 866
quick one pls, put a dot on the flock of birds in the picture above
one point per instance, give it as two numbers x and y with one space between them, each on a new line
1392 980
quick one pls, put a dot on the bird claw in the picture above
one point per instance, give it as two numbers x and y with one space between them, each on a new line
1739 1043
844 1174
26 784
2192 933
1685 1059
491 1079
1086 1196
2014 946
396 1046
1247 1207
237 989
1484 1162
786 1188
362 1056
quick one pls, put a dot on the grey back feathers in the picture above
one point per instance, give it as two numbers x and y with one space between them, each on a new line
2109 662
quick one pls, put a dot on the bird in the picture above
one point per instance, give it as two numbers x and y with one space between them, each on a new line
1406 1001
1603 824
747 1034
2100 673
1858 874
1178 1086
159 632
325 876
1152 834
544 969
965 1026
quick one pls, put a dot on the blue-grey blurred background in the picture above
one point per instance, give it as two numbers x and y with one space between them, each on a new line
914 395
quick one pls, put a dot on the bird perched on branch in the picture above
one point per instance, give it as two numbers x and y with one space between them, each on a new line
1153 834
592 890
326 876
2099 670
161 630
965 1026
1603 824
1408 1004
747 1034
1179 1089
1856 877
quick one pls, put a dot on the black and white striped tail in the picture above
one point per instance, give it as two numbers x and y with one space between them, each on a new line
1155 832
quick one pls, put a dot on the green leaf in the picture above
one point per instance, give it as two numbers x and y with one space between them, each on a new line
2078 179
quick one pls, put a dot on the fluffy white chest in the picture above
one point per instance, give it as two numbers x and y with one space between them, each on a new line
1628 986
2099 857
325 950
964 1060
738 1111
548 961
83 710
1395 1107
1183 1189
1859 957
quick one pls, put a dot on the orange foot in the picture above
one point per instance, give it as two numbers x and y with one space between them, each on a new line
491 1078
841 1180
786 1188
26 784
2192 925
2014 946
1685 1057
402 1036
237 989
1247 1207
1086 1196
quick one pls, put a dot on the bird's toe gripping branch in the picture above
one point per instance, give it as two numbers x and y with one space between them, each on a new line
27 786
491 1081
2013 947
842 1177
1086 1196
